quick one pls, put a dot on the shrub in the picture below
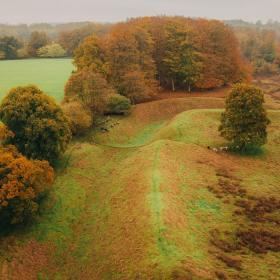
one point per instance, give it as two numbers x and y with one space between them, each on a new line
136 87
90 88
40 127
79 116
22 185
244 121
118 104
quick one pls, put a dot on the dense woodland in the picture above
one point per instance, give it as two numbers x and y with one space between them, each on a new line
259 43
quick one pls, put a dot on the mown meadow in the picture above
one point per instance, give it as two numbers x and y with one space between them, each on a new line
49 74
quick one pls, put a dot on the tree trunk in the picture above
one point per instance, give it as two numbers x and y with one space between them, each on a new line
173 86
189 88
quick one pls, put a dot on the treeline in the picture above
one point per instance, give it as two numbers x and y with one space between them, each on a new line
271 25
45 40
260 45
261 48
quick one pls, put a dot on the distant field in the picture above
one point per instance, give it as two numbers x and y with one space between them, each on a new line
49 74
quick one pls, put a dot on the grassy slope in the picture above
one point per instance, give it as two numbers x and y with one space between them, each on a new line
142 209
49 74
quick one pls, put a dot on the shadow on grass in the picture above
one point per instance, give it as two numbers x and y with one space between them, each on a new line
248 152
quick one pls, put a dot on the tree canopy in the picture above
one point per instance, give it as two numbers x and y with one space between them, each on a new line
9 46
172 52
22 183
245 120
52 50
41 131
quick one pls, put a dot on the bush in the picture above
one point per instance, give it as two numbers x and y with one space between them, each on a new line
136 87
79 116
118 104
22 185
244 121
90 88
40 127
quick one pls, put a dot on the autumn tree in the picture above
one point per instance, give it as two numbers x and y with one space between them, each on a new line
90 88
41 131
23 183
129 48
71 39
91 53
37 40
222 63
245 120
136 87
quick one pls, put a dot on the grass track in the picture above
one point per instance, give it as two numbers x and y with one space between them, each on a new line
144 211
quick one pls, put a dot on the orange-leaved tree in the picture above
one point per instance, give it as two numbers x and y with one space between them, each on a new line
90 88
22 184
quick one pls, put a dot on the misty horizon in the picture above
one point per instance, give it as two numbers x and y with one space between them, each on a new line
126 19
111 11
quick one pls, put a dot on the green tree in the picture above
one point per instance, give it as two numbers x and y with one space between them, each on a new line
181 59
8 47
40 127
245 120
118 105
52 50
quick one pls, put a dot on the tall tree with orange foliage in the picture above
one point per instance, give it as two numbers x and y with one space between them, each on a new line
222 63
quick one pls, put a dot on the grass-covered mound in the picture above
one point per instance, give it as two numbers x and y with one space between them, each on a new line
157 204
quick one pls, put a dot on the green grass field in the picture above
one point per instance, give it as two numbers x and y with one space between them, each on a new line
150 201
48 74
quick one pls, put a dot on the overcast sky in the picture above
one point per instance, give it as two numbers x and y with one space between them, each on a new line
28 11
